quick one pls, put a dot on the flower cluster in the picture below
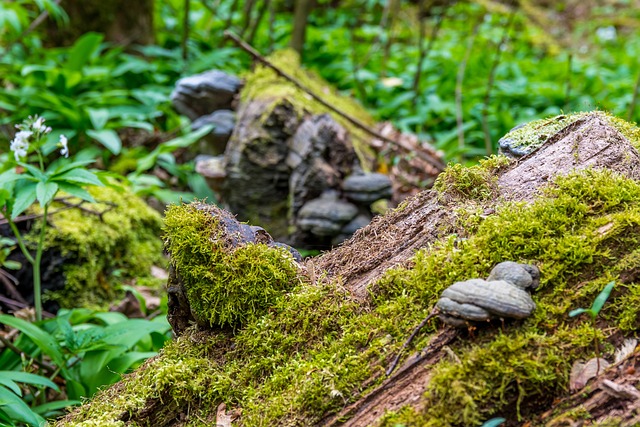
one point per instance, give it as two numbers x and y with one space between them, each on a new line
33 127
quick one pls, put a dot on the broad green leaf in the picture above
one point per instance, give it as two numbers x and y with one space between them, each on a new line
598 303
170 146
82 51
78 175
9 176
27 378
75 390
25 196
41 338
76 191
62 165
11 385
34 171
5 419
107 137
98 117
45 192
18 410
47 408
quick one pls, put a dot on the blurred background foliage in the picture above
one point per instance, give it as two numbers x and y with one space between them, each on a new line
459 74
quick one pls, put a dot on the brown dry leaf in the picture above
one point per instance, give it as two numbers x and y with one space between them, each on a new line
224 419
604 229
581 373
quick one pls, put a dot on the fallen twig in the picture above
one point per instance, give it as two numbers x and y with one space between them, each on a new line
410 148
433 313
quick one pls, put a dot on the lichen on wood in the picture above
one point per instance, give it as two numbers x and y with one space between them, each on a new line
318 355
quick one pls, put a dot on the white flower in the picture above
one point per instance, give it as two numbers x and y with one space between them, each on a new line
20 144
65 148
38 125
606 34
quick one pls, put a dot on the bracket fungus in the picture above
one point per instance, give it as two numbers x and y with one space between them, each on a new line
504 294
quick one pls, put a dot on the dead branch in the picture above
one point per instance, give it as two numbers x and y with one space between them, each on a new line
410 148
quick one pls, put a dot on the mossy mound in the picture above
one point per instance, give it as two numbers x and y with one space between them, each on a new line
317 353
263 83
227 282
103 244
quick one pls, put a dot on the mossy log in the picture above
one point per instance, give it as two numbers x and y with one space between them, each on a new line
318 354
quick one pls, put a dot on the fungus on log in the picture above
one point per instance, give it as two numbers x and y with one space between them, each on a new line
317 354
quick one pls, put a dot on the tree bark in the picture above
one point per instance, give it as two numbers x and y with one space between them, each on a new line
123 22
301 15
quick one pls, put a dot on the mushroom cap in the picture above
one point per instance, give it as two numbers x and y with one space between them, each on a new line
524 276
498 297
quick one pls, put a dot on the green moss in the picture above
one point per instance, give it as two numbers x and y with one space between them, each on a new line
118 240
534 134
477 182
263 83
316 350
225 285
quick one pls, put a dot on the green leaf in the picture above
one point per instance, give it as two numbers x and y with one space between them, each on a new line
25 196
76 191
78 175
107 137
40 337
83 50
9 176
27 378
98 117
47 408
5 419
12 265
45 192
598 303
34 171
578 311
17 410
170 146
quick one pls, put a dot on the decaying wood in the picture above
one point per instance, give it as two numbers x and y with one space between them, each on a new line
410 148
389 241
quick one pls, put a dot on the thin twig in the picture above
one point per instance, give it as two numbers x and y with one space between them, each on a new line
394 6
634 99
10 283
491 81
567 94
411 148
253 28
42 364
459 81
68 205
424 51
185 30
36 23
433 313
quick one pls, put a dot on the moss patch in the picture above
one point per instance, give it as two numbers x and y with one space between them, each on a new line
535 134
118 242
225 285
316 350
476 182
264 83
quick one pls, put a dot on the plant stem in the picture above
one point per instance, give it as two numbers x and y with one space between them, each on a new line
37 297
597 345
21 244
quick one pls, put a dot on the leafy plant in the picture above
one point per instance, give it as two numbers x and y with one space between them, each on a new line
87 349
593 312
26 183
